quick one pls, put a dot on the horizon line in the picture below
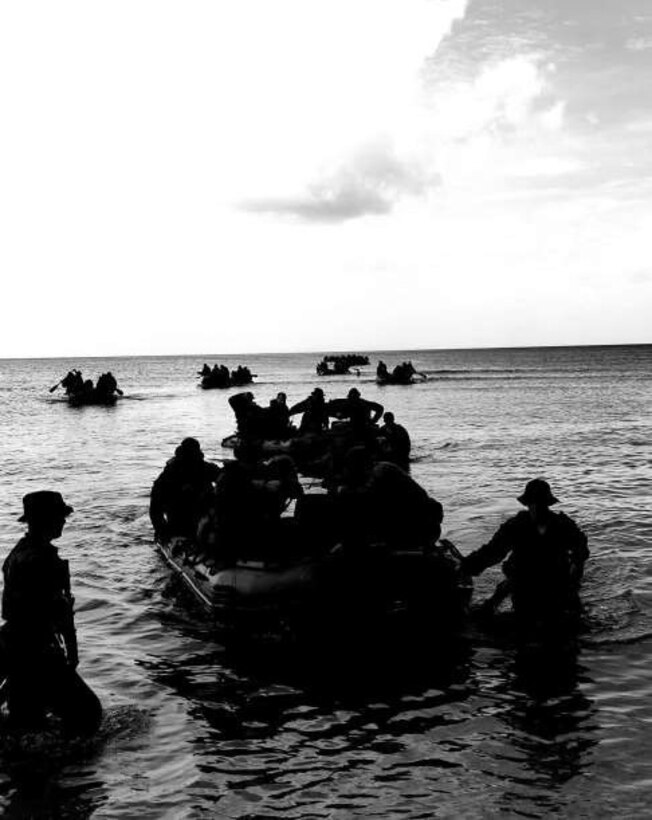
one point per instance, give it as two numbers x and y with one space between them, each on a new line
325 351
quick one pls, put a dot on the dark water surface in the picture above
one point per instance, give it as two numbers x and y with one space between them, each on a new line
487 728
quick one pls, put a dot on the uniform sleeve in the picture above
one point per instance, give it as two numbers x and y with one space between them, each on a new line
156 503
577 543
490 553
376 410
299 407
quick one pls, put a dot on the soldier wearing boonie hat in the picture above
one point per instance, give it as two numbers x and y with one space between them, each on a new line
39 631
545 553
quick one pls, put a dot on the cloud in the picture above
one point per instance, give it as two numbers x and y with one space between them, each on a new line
503 121
369 182
503 98
639 44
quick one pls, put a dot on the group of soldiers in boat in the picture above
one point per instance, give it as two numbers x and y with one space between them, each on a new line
371 507
235 512
221 376
340 364
82 391
403 373
327 429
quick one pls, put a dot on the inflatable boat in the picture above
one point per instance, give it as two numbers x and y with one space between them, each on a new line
390 378
332 596
96 397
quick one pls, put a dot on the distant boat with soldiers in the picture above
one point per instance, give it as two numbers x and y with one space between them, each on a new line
403 373
340 364
219 376
81 392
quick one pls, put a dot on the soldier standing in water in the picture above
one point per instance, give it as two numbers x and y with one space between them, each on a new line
39 633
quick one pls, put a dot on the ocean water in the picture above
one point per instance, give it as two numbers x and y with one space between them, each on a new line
492 728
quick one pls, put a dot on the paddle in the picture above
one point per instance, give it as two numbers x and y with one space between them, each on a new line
54 387
119 392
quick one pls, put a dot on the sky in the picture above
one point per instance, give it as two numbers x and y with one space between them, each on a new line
284 175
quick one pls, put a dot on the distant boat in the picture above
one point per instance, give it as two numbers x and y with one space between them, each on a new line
340 364
411 378
217 379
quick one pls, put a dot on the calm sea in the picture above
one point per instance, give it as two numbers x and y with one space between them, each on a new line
194 729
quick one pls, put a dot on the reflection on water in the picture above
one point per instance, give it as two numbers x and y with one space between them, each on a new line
308 730
550 720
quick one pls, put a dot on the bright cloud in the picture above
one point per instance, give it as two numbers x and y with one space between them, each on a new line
369 181
432 134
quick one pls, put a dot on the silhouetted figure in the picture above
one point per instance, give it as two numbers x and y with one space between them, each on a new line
394 441
217 376
178 493
361 413
545 554
279 417
379 502
106 385
72 382
403 372
251 418
381 370
39 633
315 412
205 371
241 375
230 526
243 521
111 383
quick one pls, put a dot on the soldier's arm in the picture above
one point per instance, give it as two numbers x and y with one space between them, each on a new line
66 627
64 614
299 407
578 547
156 505
491 553
376 411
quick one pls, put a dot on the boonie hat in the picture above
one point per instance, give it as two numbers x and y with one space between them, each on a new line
44 504
537 491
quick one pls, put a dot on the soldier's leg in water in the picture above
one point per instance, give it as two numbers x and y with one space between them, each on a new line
25 692
501 593
71 699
